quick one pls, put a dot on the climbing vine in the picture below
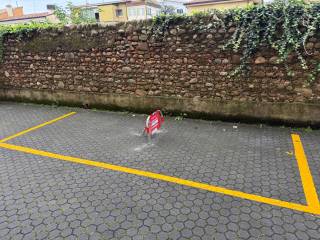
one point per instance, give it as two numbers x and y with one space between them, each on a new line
284 25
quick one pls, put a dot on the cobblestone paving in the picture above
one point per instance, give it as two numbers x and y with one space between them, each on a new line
43 198
311 141
17 117
249 158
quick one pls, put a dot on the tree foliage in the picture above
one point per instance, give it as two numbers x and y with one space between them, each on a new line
168 10
72 15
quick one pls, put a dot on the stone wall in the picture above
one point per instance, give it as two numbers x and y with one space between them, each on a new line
126 60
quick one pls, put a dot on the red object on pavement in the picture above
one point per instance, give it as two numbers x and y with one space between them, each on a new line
154 122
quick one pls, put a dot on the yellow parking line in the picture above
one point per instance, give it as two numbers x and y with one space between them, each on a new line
203 186
305 174
36 127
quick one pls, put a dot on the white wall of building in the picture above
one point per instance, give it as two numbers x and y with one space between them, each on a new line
152 11
142 12
136 12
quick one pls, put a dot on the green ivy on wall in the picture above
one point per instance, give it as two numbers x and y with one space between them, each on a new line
68 15
20 30
284 25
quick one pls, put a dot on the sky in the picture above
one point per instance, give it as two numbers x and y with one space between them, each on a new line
34 6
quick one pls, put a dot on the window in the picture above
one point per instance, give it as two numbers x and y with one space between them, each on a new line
180 11
119 12
132 12
141 12
149 11
136 12
97 16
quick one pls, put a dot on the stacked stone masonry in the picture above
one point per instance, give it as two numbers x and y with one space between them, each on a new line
128 59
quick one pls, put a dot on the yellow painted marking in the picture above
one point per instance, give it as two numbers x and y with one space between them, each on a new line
203 186
305 174
36 127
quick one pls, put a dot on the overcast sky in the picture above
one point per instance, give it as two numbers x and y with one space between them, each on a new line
33 6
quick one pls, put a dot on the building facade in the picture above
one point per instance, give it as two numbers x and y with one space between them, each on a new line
113 11
12 15
209 5
120 10
9 11
140 10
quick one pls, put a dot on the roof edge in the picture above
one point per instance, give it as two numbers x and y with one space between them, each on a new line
28 16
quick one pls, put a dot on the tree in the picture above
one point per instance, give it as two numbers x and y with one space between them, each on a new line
168 10
73 15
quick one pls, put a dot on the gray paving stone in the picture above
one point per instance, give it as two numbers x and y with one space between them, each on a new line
43 198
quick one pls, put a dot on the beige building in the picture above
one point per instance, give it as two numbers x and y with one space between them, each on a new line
115 11
120 10
209 5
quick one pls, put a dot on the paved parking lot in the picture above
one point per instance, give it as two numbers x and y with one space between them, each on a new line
91 175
